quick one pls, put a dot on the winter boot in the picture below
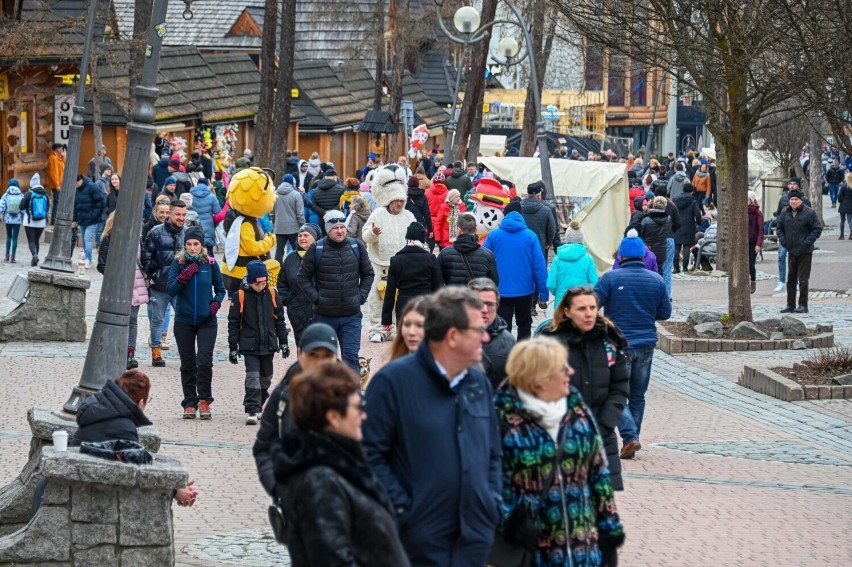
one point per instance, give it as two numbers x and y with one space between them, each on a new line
753 287
131 359
157 357
204 410
13 259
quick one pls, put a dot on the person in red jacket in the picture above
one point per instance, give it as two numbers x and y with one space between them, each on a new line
436 195
448 229
636 190
755 236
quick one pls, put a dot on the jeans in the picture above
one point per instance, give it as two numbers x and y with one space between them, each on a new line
800 273
196 366
12 231
258 380
33 237
158 302
348 331
281 242
668 264
639 362
99 230
133 328
832 192
782 264
844 218
54 206
89 232
521 308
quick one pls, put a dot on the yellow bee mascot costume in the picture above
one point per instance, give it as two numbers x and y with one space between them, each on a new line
251 194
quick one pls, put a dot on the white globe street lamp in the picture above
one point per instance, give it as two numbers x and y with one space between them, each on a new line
508 47
466 19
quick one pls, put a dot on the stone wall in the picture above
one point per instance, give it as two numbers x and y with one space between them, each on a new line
99 512
54 311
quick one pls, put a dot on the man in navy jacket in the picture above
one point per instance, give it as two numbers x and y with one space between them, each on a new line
432 438
634 299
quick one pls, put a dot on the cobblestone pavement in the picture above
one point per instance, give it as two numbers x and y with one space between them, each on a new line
726 476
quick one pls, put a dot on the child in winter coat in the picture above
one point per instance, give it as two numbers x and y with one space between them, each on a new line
448 228
13 216
256 330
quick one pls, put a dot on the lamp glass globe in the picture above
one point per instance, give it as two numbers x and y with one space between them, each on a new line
508 47
466 19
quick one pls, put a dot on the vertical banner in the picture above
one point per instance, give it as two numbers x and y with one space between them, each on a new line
63 109
25 131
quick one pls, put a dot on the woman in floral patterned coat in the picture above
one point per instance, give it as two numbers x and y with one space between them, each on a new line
543 420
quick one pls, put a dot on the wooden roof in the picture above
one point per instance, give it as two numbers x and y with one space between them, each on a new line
323 98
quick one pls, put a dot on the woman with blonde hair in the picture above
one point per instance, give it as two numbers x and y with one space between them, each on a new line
596 352
558 501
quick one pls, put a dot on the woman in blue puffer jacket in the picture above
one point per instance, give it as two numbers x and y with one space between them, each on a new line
195 280
13 216
572 266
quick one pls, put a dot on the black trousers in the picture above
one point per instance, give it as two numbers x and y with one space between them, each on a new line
33 237
258 379
752 260
281 241
196 366
520 307
798 272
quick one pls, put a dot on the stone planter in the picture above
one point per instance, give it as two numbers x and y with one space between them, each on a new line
672 344
765 381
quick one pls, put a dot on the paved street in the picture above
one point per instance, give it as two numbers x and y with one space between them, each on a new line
726 476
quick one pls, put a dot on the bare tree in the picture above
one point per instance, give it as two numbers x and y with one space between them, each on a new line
727 51
542 29
283 102
263 119
783 136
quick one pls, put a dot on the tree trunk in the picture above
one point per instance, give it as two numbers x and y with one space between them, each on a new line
399 15
263 120
542 38
283 101
381 21
476 130
473 94
141 22
815 171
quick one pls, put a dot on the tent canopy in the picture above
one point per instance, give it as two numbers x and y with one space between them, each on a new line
603 218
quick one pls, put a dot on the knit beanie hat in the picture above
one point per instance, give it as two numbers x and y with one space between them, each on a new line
289 179
416 231
256 271
794 193
632 246
573 234
35 180
202 181
513 207
365 187
193 233
186 198
333 218
311 229
413 182
452 193
174 164
439 178
169 181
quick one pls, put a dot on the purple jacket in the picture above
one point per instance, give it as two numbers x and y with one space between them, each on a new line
650 261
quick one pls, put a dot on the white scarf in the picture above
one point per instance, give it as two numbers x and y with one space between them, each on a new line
548 414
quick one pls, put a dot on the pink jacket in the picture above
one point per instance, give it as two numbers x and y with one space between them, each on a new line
140 287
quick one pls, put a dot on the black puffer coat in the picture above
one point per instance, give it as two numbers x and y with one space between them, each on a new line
419 207
413 272
600 373
336 510
481 260
158 252
109 415
654 229
299 307
89 203
690 219
340 284
844 200
256 326
496 352
327 194
798 233
539 220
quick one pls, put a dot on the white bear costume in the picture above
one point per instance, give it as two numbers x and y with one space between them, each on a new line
389 184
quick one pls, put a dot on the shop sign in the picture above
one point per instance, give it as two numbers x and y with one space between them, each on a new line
63 110
4 87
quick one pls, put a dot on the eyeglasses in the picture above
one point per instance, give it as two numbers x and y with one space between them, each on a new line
478 330
490 305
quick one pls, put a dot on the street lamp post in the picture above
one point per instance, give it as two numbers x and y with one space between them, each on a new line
474 35
466 20
107 354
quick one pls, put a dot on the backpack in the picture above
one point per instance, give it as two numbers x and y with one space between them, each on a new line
13 204
38 206
242 293
321 246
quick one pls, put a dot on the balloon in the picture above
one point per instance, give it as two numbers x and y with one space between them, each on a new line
419 136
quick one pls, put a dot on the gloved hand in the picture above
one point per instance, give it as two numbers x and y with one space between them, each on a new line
233 356
285 351
214 307
187 273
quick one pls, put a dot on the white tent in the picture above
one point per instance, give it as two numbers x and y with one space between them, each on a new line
603 217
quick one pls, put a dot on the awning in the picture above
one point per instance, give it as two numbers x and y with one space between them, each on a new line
378 121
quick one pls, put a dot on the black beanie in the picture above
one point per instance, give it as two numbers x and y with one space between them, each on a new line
416 231
193 234
795 193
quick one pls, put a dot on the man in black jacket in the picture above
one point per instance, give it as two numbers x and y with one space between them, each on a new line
798 230
326 195
466 251
336 275
495 352
538 217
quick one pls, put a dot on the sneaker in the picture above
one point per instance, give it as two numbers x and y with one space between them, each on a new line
157 357
780 287
188 412
787 309
204 410
164 345
800 309
131 361
88 264
251 419
376 338
629 449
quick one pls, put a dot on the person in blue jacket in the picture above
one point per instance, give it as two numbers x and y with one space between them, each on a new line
195 281
521 266
432 437
205 204
634 298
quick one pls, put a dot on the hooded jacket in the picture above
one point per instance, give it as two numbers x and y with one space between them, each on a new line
520 261
419 207
413 272
89 203
459 180
8 218
289 209
160 171
355 226
304 178
675 184
205 203
183 184
337 511
436 195
326 195
481 260
755 226
256 326
655 229
495 353
834 175
539 219
572 266
314 166
690 219
109 415
601 376
702 184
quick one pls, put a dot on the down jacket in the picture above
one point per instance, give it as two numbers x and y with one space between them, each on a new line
158 251
654 230
540 220
495 353
690 218
89 203
466 247
299 306
798 233
337 511
436 195
140 286
326 195
601 376
256 326
413 272
520 261
108 415
339 285
193 299
418 204
573 266
205 203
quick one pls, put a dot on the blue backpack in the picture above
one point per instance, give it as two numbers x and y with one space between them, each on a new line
38 206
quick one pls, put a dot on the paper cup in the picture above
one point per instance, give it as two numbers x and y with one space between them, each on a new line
60 440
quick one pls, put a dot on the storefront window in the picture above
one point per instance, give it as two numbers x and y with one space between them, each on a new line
638 88
615 82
